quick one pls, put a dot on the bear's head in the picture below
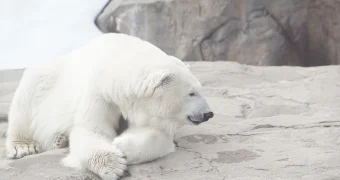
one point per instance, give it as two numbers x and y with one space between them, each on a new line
172 94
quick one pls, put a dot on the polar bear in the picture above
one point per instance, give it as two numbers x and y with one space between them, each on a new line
83 94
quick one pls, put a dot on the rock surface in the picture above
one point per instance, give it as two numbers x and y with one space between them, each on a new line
271 123
255 32
9 80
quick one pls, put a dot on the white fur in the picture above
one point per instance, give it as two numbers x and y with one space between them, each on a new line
144 144
83 94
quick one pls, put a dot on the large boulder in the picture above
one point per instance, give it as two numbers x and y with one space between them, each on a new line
255 32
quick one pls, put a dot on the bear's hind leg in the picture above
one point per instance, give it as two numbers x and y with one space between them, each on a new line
19 142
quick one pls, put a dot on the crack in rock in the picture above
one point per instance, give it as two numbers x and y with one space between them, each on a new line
294 165
258 169
269 126
246 135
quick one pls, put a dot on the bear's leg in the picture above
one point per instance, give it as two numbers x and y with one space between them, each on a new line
90 140
31 90
19 142
144 144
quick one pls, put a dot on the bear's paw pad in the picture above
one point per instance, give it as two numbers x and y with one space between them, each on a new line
61 141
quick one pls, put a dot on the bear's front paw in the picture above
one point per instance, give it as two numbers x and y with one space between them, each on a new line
19 149
110 165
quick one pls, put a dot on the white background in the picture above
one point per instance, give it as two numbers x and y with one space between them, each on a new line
34 31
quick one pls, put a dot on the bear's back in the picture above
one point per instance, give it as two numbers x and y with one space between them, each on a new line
120 54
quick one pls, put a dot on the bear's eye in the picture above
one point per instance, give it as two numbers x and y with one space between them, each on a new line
192 94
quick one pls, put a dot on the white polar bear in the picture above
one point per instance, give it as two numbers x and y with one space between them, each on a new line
84 93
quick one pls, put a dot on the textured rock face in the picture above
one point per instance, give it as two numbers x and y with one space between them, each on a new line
256 32
270 123
9 80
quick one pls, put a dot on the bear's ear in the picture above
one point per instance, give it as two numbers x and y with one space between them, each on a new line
152 82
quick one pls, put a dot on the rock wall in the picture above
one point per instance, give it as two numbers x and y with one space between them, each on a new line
254 32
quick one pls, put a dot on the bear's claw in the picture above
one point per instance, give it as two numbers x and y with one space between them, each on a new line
113 166
21 149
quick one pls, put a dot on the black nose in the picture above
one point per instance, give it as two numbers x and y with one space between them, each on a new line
207 116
